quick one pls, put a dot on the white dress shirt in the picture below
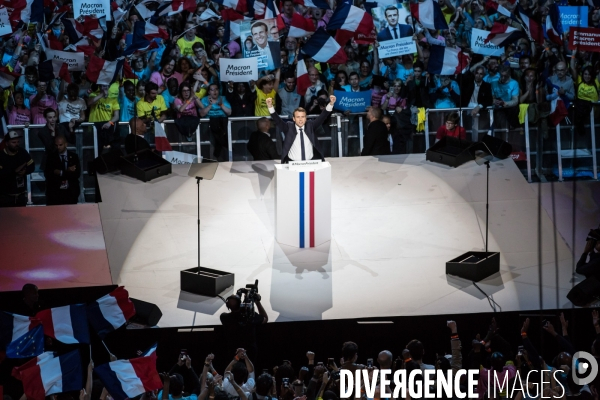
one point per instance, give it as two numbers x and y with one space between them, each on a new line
295 153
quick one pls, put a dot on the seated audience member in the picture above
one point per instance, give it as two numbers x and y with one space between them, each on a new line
62 174
376 139
260 144
451 128
135 142
15 165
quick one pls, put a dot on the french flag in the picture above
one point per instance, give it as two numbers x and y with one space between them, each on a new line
125 379
47 374
160 138
502 35
73 29
110 312
322 4
149 31
176 7
302 79
446 61
92 28
349 20
299 27
554 28
21 336
323 48
103 72
25 11
533 27
271 10
67 324
429 14
238 5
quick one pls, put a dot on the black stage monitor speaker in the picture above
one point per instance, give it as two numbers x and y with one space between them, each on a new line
108 162
146 313
498 147
145 165
474 265
450 151
585 292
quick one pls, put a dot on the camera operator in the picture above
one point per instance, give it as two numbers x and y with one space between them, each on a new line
590 267
240 323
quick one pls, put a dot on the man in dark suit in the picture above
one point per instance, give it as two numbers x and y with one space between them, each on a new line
394 30
300 139
376 141
591 267
260 144
476 93
471 83
62 175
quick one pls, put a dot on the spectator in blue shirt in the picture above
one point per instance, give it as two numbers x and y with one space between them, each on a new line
506 98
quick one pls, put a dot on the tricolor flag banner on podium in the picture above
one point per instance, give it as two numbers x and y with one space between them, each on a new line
303 203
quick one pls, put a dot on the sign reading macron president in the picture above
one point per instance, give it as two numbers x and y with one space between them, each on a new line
92 7
239 69
352 101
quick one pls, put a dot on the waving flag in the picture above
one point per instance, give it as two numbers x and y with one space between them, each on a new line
349 21
112 311
142 40
149 31
323 48
533 28
271 9
554 29
446 61
53 69
502 35
237 5
103 72
26 11
176 7
73 29
92 27
322 4
429 14
160 138
299 26
229 14
7 77
126 379
21 336
302 79
67 324
148 352
47 374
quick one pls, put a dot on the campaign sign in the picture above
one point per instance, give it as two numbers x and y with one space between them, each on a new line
479 46
586 39
178 157
239 69
573 16
5 27
261 39
352 101
99 8
74 60
398 47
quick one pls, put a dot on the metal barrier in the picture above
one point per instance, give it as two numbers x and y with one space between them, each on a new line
339 136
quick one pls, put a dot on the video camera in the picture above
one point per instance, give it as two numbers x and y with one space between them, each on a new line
248 296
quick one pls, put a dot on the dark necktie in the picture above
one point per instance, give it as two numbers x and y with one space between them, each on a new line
64 160
302 144
396 32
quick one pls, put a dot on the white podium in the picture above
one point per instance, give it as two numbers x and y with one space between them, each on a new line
303 204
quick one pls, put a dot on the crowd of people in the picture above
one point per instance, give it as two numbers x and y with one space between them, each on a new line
169 68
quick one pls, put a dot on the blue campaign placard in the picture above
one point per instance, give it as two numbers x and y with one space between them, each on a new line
573 16
352 101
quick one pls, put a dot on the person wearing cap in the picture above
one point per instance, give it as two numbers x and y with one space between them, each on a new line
62 174
15 165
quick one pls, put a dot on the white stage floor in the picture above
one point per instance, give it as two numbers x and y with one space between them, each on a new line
396 220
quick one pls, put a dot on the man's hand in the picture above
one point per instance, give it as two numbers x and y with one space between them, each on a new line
56 172
550 329
561 91
331 100
106 125
452 326
310 356
525 327
475 111
269 102
72 168
589 246
188 361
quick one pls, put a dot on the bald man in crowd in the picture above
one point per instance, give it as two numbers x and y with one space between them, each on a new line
135 142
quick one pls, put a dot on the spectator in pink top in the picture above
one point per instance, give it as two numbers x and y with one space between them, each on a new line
186 103
167 71
19 114
40 102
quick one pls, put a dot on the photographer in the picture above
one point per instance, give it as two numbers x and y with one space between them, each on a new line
590 267
240 323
